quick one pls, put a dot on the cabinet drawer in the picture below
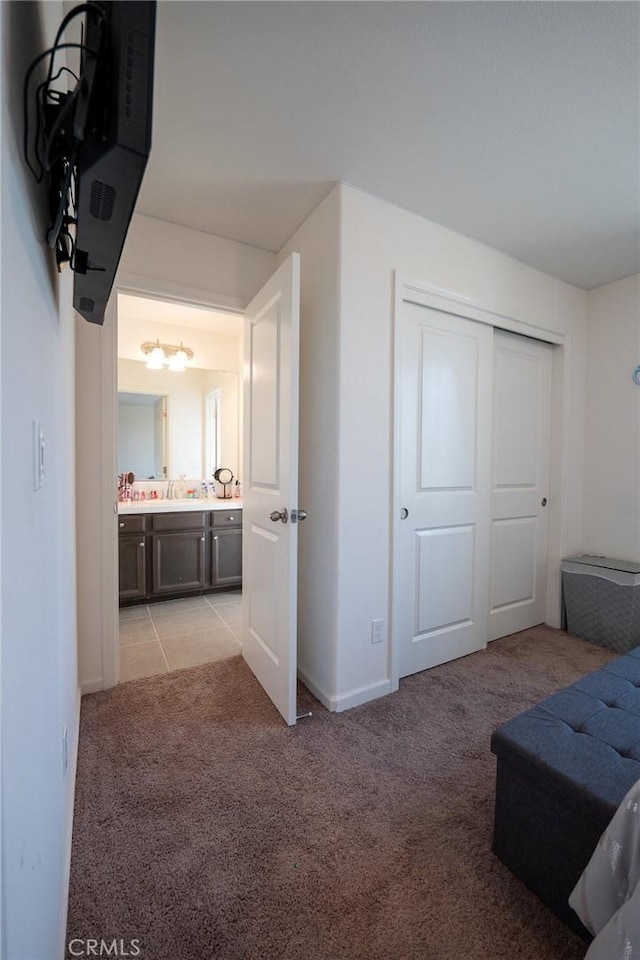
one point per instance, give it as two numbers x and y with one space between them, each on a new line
226 518
131 523
179 521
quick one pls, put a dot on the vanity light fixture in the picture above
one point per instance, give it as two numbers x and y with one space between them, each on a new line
161 354
178 360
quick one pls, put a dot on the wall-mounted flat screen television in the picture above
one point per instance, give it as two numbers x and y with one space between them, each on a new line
92 139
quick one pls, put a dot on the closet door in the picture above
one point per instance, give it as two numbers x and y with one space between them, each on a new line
441 576
520 482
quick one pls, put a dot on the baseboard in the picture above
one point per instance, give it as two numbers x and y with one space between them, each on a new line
91 686
73 741
360 695
345 701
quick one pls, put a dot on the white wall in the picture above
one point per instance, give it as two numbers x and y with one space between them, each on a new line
169 261
612 462
174 257
318 243
39 673
212 350
377 238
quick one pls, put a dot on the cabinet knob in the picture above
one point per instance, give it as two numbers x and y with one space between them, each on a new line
122 526
141 544
201 539
215 538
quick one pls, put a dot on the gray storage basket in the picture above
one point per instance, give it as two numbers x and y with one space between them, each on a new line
602 601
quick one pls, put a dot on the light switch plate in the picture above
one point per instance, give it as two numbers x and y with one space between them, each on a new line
38 456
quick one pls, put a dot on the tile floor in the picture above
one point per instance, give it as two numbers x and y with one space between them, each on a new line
160 637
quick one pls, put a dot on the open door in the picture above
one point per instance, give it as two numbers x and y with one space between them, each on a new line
270 490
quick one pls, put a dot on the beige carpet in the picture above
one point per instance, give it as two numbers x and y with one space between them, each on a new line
209 831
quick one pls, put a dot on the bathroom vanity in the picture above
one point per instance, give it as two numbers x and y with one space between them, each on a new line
172 548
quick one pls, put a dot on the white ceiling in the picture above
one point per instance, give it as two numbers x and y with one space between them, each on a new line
515 123
132 308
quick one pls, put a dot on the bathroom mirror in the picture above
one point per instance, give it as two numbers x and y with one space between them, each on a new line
142 435
176 424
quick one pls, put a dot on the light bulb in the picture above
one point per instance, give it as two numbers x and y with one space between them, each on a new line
178 360
157 358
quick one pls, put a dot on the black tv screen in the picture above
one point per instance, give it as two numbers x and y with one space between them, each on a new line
116 111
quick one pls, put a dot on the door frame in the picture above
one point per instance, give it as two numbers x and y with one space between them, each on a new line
96 436
446 301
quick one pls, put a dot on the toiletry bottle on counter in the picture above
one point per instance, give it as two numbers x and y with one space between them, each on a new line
237 490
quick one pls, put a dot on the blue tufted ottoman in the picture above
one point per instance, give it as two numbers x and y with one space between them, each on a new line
563 768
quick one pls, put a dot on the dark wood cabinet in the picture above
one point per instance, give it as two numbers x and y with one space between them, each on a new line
132 560
132 557
226 557
165 555
179 561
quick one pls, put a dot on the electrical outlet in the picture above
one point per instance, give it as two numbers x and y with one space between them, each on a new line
65 750
377 631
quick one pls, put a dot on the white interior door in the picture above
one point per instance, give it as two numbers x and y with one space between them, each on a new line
270 490
520 482
441 576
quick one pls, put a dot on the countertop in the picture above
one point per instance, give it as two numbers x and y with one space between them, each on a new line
174 506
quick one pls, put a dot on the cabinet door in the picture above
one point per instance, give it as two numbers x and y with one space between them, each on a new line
179 561
132 567
226 557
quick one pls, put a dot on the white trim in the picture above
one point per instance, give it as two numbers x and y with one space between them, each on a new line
348 700
157 289
360 695
71 782
92 686
160 290
109 506
448 301
559 478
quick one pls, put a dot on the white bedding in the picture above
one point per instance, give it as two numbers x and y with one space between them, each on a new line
607 895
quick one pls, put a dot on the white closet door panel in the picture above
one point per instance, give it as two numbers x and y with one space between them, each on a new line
520 478
442 581
514 566
447 432
515 437
444 578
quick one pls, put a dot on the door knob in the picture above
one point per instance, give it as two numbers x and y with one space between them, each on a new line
276 515
543 502
298 516
404 513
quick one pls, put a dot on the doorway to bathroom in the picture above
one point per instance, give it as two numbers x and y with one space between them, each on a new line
271 514
179 427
